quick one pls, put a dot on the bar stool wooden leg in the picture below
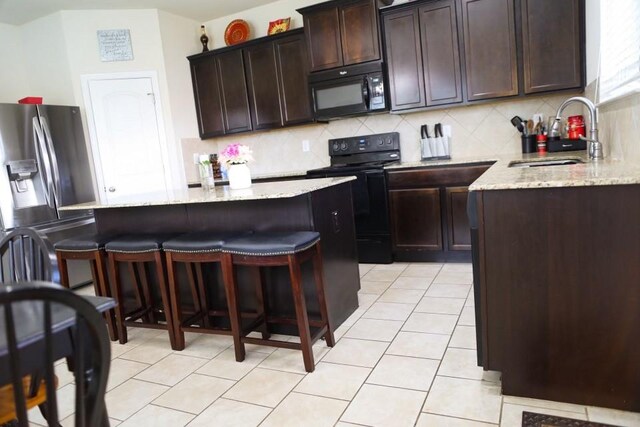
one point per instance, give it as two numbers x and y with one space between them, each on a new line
137 289
64 272
194 288
164 295
319 279
146 291
301 313
101 285
174 297
231 289
204 300
261 305
116 290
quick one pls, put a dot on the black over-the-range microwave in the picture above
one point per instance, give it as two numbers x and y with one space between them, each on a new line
357 89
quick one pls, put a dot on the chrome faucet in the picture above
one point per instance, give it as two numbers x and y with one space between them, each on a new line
595 146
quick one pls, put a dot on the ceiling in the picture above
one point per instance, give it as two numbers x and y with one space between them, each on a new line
18 12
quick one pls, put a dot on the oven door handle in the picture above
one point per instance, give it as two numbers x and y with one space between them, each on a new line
366 93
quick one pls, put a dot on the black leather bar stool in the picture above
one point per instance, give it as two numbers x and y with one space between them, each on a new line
138 251
89 248
269 250
194 249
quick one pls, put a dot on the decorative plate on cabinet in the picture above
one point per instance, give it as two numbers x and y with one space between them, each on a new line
279 26
237 32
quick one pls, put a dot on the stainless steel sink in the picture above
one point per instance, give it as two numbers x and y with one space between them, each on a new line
541 163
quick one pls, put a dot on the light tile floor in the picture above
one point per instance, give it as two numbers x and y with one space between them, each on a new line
406 357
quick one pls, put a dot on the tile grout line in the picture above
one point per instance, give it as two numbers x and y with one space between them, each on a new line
385 351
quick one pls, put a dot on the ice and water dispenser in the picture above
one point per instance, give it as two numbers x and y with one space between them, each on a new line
25 189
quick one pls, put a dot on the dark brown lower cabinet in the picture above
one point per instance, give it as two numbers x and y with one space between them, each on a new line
429 212
558 292
457 220
416 221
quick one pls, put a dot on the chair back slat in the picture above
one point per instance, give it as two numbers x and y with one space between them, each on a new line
16 378
79 372
27 255
90 352
49 376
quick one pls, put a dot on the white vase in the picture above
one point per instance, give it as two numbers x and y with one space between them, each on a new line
239 176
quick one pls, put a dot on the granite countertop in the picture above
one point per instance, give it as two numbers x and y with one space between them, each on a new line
272 175
500 176
258 191
590 173
436 163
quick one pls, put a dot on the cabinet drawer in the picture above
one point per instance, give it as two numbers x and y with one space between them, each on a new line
436 177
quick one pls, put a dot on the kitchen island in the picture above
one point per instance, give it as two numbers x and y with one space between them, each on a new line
557 278
322 205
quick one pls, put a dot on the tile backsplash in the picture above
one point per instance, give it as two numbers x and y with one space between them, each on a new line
478 130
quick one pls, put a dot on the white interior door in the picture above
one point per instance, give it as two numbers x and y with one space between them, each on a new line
128 137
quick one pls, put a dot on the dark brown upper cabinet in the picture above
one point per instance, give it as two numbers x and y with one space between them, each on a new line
258 85
262 77
488 27
233 92
423 56
404 59
360 32
341 33
552 44
293 69
441 52
206 91
322 30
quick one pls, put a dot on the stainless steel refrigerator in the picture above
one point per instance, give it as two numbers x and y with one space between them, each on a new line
44 166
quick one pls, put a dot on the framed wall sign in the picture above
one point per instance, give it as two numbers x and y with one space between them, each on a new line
115 45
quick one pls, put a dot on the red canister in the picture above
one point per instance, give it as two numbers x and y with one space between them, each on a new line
575 127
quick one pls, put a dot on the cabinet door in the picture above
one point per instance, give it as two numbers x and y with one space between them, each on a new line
552 45
233 89
262 78
359 31
490 48
416 223
293 68
322 29
459 234
440 53
206 91
404 60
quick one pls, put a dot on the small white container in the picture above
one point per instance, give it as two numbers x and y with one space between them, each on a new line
239 176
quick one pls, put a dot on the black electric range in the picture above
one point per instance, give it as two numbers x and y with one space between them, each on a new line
365 158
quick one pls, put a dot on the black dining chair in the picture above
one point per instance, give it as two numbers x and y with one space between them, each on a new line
26 254
39 322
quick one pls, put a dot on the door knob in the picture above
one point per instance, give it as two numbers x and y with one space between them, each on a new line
112 189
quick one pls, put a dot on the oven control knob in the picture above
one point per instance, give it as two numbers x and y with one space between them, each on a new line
336 146
389 140
343 146
381 141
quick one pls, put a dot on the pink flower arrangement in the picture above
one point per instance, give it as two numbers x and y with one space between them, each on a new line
236 154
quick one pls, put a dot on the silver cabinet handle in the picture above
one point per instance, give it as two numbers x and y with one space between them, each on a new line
112 189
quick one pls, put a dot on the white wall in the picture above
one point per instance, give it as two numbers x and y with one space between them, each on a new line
80 29
258 19
180 38
13 80
45 56
593 38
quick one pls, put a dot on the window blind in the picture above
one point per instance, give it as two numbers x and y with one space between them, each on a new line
619 49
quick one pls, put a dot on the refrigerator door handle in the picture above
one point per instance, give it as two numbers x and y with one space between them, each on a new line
53 159
43 164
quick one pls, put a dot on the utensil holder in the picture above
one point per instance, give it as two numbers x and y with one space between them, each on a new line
529 144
